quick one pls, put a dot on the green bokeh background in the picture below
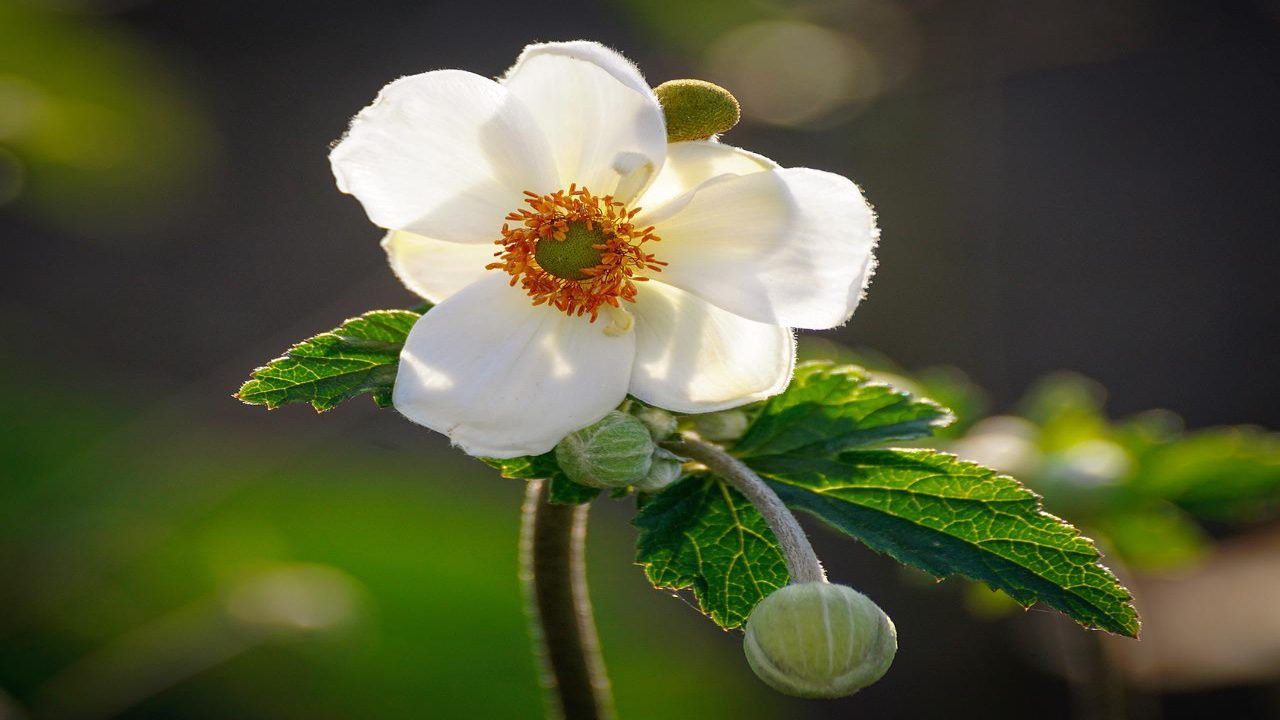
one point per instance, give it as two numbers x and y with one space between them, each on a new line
1061 186
119 520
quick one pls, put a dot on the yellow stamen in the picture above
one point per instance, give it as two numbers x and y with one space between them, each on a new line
595 261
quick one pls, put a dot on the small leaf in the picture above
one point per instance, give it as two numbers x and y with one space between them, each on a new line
567 492
702 535
544 467
360 356
829 408
946 516
526 467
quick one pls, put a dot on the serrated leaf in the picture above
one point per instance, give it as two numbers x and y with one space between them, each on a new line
526 467
947 516
829 408
544 467
360 356
700 534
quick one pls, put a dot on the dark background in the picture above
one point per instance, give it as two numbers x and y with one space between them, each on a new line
1061 185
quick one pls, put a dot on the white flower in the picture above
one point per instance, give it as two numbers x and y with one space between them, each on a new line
622 265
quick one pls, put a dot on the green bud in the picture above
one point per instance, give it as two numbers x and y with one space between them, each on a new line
661 423
615 452
664 470
817 640
723 426
696 109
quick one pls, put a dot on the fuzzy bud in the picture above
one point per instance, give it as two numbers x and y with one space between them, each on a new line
723 426
696 109
661 423
666 469
818 640
615 452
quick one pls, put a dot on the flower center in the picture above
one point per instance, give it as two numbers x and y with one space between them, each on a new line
570 258
578 252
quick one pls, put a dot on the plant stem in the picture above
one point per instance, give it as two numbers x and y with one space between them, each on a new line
802 562
553 572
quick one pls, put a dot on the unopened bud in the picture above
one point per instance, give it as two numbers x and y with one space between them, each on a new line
818 640
615 452
666 469
696 109
661 423
723 426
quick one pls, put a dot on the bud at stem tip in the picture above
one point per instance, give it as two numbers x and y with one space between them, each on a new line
818 640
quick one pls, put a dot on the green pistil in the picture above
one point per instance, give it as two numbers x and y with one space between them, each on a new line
569 258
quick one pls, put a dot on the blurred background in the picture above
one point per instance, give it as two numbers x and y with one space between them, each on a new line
1062 185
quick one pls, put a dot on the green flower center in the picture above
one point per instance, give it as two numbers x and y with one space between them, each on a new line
571 257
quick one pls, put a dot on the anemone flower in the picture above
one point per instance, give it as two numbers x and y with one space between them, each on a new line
576 257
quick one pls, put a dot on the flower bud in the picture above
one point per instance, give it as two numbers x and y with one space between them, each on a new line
696 109
817 640
661 423
723 426
665 470
615 452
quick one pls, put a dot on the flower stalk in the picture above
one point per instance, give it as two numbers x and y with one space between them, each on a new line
553 573
802 562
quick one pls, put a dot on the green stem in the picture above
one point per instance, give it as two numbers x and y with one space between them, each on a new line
553 571
802 562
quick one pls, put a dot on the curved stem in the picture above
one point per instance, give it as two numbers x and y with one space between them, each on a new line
553 572
802 562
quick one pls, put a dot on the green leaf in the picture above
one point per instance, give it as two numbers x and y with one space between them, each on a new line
567 492
1229 474
526 467
358 357
700 534
946 516
544 467
829 408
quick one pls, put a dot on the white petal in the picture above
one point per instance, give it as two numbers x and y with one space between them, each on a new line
693 357
444 154
604 123
791 247
608 59
691 163
435 269
503 378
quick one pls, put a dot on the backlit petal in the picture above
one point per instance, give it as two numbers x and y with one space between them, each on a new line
693 357
603 122
444 154
691 163
503 378
791 247
435 269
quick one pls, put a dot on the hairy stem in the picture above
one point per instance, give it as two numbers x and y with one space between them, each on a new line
553 572
802 563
